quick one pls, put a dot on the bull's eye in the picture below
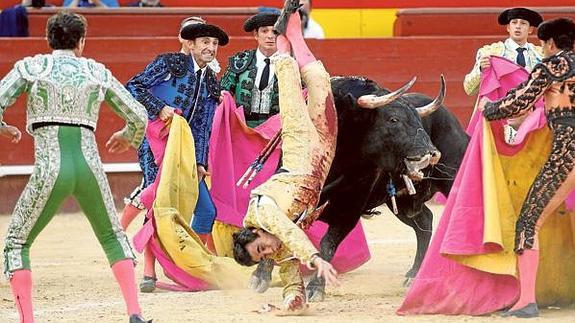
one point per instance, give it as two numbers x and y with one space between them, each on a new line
393 119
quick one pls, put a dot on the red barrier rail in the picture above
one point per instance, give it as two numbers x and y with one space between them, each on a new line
461 21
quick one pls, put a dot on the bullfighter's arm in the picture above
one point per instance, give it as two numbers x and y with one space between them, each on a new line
139 86
11 87
269 218
129 109
472 80
292 281
521 98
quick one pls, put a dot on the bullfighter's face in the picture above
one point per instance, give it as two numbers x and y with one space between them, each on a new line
264 246
204 50
519 29
266 39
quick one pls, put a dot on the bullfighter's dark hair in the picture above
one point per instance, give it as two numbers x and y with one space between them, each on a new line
561 30
65 29
241 239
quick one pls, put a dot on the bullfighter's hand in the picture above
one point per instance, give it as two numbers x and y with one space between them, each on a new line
481 104
118 143
484 63
166 114
11 133
202 172
326 271
294 305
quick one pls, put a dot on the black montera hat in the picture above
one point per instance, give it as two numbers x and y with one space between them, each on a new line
193 31
555 28
533 17
262 19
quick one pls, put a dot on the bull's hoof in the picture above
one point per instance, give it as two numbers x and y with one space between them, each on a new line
407 282
259 284
315 295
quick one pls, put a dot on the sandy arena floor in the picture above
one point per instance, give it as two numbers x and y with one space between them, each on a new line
74 284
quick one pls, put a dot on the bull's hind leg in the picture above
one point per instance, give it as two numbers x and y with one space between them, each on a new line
262 276
422 224
334 236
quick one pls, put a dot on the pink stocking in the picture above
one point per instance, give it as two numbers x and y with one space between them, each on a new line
128 215
125 275
294 34
528 263
149 262
21 284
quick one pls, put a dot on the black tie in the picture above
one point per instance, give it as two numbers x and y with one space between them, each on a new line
265 75
198 82
520 56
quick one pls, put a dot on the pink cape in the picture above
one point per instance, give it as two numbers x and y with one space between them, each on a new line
444 285
233 147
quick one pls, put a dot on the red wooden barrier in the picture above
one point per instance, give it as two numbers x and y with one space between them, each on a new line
461 21
147 22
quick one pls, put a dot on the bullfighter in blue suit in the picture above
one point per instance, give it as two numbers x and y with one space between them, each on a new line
186 83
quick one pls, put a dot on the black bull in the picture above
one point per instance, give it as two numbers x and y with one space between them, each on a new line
375 147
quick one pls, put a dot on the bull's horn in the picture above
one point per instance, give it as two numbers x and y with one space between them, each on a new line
373 101
428 109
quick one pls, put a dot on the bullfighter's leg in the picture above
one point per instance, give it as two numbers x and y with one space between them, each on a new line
133 206
550 188
298 130
92 192
47 187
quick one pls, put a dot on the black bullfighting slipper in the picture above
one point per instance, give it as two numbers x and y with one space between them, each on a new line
148 284
290 7
530 310
138 319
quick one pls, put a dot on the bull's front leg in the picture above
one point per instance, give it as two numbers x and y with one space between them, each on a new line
315 289
422 224
261 277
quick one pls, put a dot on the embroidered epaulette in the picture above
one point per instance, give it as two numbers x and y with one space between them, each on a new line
538 49
34 68
495 48
559 67
240 61
177 63
98 72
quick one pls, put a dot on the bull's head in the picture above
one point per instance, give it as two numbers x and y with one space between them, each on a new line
398 130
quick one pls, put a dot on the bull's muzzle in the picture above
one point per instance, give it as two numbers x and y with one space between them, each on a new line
414 165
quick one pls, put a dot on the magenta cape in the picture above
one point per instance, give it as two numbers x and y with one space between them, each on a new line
233 147
470 267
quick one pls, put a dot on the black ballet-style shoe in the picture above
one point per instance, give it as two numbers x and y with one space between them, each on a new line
530 310
290 7
138 319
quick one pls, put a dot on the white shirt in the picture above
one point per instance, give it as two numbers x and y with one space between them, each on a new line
511 52
260 64
313 30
